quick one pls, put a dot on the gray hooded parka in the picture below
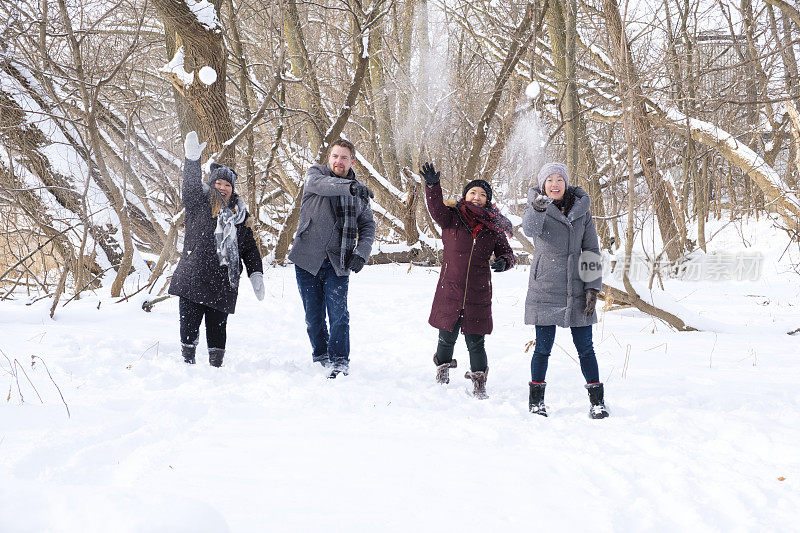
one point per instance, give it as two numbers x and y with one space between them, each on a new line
556 293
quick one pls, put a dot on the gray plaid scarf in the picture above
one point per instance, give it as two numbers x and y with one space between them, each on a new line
227 241
346 212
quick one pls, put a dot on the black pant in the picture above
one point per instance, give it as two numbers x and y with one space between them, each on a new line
192 314
477 351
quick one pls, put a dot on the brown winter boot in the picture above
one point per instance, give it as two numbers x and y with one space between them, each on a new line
443 370
478 383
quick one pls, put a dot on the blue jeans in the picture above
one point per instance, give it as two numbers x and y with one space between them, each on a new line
581 337
326 292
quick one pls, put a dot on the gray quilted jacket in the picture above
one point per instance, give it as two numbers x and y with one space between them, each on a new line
556 293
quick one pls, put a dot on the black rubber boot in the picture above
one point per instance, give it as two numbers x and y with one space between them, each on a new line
598 409
443 370
536 399
478 383
187 351
215 356
343 369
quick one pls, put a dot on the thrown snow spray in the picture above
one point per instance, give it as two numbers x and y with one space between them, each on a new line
525 150
431 80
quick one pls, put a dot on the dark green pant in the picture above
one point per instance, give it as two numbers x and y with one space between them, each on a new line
477 351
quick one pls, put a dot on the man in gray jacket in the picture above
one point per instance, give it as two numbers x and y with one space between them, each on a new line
334 237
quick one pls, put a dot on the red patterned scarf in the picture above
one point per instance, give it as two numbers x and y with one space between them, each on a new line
484 217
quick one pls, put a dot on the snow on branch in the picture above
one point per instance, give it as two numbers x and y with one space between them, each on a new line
378 177
659 305
206 14
741 156
176 69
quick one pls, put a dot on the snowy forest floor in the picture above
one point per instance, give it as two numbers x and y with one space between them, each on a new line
703 433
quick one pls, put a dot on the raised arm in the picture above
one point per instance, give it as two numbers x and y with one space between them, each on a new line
443 215
320 182
533 220
192 192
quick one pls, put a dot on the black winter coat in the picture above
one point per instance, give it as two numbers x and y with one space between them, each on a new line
199 276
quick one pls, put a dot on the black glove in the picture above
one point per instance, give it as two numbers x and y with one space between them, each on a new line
541 202
591 301
429 174
359 189
500 264
356 263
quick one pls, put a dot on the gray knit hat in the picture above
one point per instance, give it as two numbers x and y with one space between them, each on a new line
552 168
222 172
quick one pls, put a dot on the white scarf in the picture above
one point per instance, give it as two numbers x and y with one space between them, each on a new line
227 241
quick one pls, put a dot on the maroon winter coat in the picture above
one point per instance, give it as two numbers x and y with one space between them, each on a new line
466 279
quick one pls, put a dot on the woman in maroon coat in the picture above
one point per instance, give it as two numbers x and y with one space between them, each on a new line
472 231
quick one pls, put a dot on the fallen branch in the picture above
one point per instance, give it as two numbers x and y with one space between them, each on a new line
148 305
631 298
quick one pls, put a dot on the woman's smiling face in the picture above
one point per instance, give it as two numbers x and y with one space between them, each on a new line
476 196
554 186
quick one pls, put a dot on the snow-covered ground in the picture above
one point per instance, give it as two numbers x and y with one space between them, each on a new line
703 433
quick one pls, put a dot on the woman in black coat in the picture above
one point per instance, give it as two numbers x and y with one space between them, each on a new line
217 241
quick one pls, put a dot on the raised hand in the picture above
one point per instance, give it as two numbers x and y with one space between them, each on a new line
429 174
359 189
541 202
192 149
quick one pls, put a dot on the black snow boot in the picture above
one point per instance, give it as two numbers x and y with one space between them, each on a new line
215 356
536 399
339 369
598 409
443 370
478 383
187 351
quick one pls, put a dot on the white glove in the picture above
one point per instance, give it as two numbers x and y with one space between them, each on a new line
257 280
192 147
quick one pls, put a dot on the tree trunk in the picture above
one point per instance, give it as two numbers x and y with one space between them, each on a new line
631 89
117 198
202 47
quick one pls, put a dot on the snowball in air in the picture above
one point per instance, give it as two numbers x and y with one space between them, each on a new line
207 75
532 90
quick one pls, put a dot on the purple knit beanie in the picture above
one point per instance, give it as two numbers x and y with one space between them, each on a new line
552 168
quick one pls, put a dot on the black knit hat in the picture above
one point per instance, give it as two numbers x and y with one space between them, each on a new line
222 172
483 184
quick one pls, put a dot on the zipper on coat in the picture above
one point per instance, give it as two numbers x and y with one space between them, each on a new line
466 280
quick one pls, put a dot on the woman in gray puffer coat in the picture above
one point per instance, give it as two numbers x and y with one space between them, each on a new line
565 278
